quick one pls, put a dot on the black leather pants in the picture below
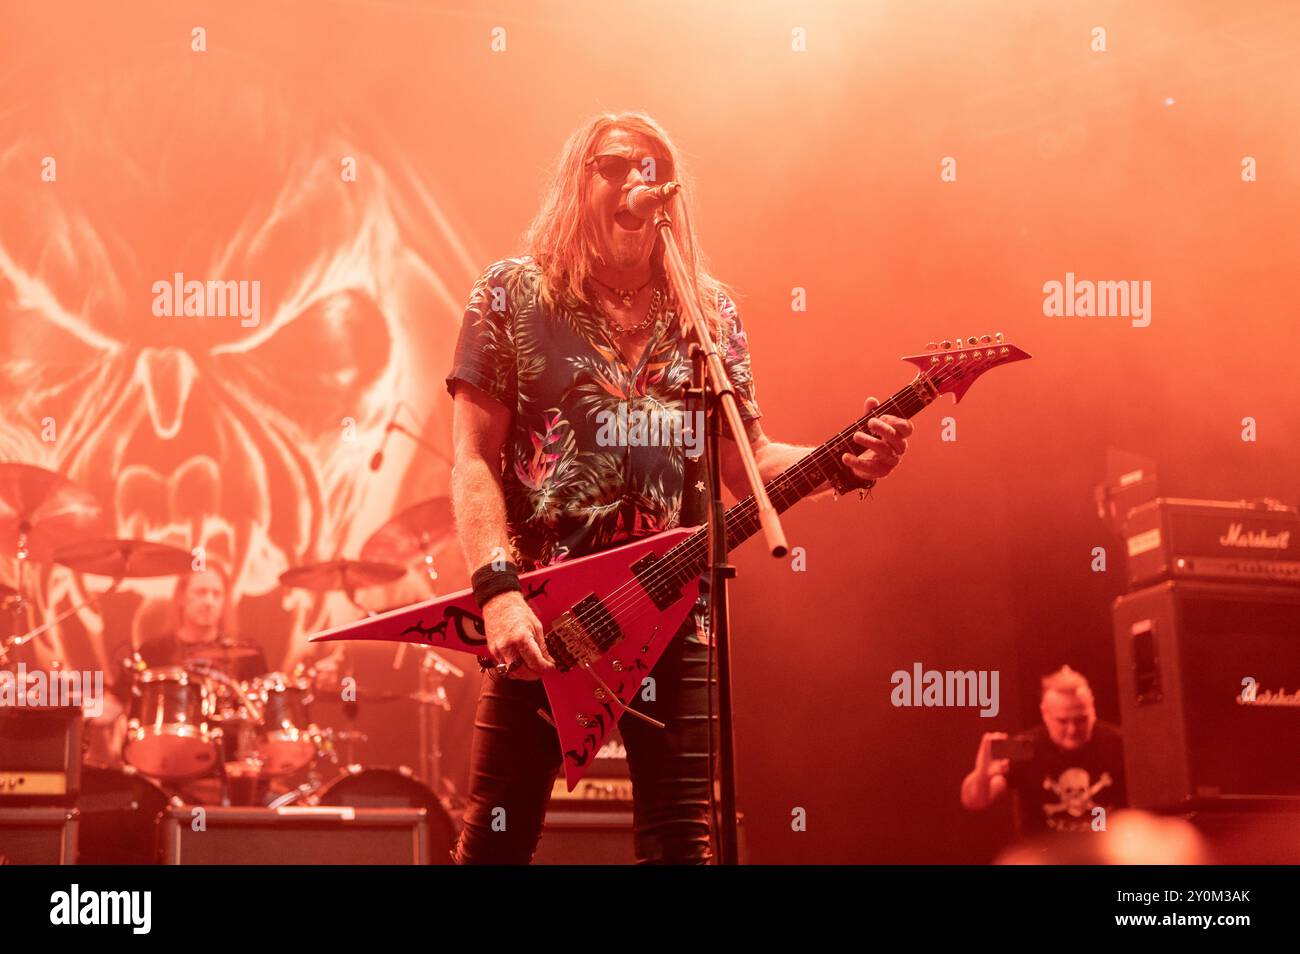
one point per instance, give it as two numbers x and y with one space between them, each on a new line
516 757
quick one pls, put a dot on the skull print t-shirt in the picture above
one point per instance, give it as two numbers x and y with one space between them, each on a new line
1058 789
598 453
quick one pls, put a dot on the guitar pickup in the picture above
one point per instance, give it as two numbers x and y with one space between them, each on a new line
662 588
599 622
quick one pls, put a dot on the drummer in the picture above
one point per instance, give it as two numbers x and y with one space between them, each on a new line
202 616
201 635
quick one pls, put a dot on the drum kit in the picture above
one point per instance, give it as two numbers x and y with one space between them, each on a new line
188 722
194 722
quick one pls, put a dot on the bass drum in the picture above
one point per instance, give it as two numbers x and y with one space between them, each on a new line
119 810
360 787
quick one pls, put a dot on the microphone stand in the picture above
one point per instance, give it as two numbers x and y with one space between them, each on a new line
719 396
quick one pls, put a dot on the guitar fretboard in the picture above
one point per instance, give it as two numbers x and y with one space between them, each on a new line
688 559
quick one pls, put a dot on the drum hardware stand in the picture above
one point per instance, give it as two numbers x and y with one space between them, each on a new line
399 654
18 609
315 781
204 668
431 573
351 709
431 697
22 559
27 637
45 510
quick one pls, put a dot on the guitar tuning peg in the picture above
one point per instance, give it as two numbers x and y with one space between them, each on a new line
985 339
932 346
946 344
971 341
997 336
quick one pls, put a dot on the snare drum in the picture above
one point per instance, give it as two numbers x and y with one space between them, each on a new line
169 733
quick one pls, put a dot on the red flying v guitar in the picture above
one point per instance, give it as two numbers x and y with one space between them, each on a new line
608 617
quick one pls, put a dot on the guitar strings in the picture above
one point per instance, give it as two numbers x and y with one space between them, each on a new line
633 595
697 541
693 547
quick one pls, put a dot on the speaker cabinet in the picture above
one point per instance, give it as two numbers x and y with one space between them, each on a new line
38 836
1209 680
585 837
296 836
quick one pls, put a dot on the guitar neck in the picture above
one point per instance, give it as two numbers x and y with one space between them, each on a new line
794 483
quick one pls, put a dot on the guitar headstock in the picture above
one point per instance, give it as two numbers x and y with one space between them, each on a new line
951 367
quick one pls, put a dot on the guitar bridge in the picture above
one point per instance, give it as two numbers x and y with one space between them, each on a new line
579 645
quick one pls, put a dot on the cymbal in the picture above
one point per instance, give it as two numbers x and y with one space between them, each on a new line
341 575
124 558
418 531
49 508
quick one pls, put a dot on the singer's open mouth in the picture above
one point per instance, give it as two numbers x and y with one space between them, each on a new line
626 220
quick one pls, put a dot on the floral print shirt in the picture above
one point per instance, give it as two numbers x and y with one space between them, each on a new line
598 453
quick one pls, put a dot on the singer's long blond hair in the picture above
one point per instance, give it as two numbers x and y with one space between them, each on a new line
560 237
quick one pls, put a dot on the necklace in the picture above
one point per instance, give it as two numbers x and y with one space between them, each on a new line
626 295
651 314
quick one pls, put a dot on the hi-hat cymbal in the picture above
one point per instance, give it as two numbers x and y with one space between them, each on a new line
45 508
130 559
418 531
341 575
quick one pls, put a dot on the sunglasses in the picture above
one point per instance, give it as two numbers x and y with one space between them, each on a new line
615 168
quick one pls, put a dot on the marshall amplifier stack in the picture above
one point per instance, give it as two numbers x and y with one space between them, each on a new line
1208 660
40 777
1239 542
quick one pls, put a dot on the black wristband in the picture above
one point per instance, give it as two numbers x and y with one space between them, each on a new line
492 579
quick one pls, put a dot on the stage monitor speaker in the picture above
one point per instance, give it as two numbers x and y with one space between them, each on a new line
38 836
1263 832
597 834
1209 680
296 836
585 837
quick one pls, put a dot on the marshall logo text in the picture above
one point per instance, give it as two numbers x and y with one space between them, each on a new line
1239 536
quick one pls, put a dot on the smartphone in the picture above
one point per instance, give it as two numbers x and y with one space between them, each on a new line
1017 750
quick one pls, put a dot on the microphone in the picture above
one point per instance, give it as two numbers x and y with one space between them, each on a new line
378 459
644 201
